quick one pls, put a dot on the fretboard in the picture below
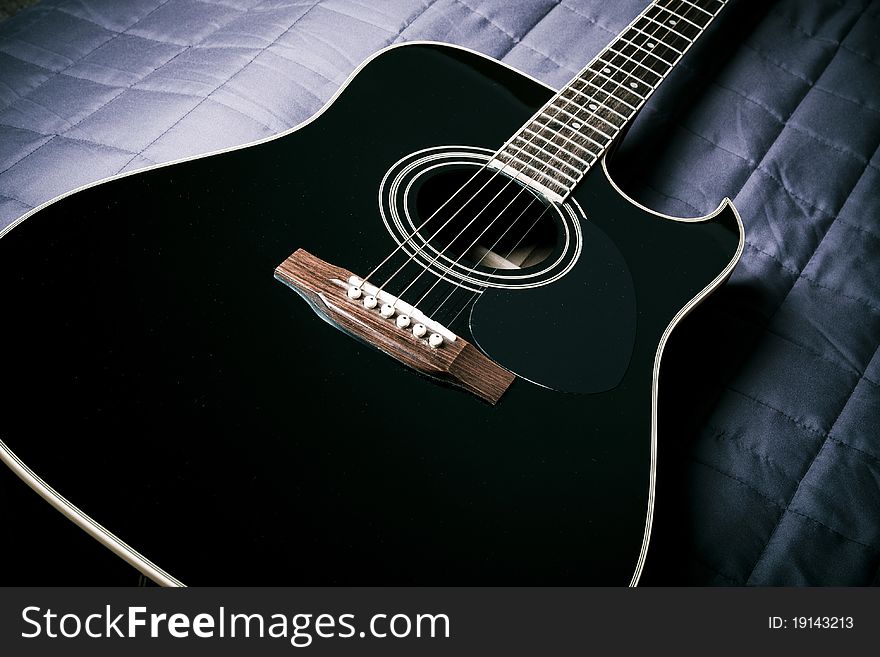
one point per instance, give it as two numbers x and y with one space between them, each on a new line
559 144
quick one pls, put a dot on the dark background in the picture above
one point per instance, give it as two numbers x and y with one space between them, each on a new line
10 7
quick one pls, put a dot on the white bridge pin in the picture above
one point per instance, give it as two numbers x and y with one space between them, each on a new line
402 321
387 310
370 302
419 330
354 292
435 340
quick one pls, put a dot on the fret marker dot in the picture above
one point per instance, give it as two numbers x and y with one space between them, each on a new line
575 125
671 22
593 106
606 70
633 85
652 45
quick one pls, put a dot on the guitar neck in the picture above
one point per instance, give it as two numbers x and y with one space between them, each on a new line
559 144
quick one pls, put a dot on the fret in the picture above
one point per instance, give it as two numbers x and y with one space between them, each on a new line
585 163
621 87
581 134
605 91
596 112
620 48
615 129
521 166
574 129
528 144
546 165
651 37
582 122
652 51
652 79
697 26
525 156
676 23
669 33
515 161
582 145
718 4
698 7
681 14
590 115
541 122
584 135
623 118
679 18
633 103
593 109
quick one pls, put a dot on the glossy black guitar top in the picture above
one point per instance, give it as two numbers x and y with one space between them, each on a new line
160 377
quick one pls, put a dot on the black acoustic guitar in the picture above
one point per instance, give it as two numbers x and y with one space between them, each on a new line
394 345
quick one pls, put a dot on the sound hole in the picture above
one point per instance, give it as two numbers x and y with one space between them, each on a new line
489 222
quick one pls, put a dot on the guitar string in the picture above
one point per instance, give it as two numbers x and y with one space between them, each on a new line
627 76
474 295
520 149
418 228
426 242
550 105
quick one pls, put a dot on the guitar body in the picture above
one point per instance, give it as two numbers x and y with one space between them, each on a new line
159 377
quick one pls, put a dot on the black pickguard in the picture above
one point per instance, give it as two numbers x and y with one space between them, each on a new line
575 335
158 376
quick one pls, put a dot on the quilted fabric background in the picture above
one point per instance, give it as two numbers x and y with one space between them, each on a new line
770 453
